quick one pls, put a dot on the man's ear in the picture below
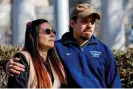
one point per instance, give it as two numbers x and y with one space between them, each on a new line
71 23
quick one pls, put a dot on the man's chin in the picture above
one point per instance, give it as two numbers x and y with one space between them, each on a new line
85 38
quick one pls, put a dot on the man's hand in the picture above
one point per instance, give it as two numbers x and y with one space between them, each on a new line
13 67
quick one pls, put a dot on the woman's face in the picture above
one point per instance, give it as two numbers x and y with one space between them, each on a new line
46 36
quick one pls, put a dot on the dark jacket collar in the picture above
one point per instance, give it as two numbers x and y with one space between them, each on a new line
68 38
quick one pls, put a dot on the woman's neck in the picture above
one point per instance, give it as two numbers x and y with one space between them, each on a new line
44 54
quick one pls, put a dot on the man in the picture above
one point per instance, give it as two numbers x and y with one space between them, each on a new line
88 62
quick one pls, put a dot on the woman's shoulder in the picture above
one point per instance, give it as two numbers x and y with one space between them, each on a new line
21 80
23 56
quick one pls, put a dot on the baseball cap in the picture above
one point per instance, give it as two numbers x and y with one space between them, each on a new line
84 10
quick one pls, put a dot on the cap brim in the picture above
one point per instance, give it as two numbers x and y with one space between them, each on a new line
96 15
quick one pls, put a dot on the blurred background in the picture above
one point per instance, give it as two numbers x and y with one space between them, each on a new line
115 28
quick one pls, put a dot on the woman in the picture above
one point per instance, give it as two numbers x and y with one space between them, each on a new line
41 66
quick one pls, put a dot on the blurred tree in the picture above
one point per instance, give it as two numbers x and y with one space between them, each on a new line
5 31
23 11
113 33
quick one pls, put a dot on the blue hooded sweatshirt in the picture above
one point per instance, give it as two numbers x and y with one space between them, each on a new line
92 66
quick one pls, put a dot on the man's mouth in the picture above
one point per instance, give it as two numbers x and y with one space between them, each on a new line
88 30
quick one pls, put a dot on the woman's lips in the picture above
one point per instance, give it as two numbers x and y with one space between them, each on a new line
52 40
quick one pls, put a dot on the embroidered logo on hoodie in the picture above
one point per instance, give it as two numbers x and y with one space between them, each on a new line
68 54
95 53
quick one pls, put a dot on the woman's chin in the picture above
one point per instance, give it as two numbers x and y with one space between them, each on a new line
51 46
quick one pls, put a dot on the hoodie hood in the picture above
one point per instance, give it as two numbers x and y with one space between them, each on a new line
67 38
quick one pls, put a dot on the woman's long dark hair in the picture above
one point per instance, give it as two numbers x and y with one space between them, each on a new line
31 45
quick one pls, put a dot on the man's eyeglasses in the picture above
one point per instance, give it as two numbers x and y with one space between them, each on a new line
48 31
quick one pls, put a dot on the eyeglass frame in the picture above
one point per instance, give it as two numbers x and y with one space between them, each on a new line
47 31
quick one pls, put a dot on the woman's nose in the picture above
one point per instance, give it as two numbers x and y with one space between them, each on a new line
52 34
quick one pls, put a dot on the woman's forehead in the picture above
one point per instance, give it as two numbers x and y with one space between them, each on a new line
45 25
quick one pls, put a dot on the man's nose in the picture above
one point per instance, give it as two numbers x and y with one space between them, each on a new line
89 24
